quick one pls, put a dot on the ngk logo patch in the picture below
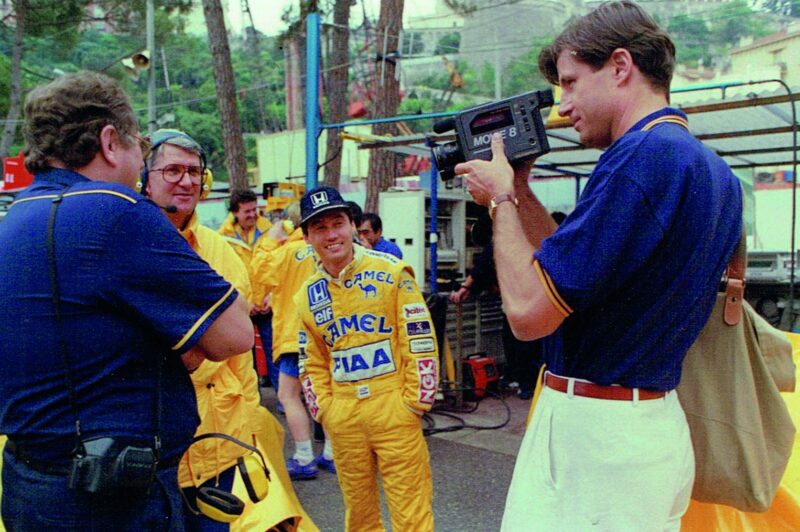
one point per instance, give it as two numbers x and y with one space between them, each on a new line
426 370
415 310
311 397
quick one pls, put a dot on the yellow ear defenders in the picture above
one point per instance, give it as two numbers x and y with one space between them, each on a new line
205 184
223 506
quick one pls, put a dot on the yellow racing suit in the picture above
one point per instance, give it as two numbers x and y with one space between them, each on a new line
280 271
228 401
369 370
244 242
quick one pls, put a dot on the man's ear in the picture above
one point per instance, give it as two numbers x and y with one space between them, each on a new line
110 145
622 64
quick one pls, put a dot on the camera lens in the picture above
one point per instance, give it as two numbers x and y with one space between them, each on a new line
447 156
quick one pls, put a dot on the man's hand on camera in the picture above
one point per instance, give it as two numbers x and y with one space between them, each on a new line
487 179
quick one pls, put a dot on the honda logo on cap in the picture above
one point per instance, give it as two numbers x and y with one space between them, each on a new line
319 198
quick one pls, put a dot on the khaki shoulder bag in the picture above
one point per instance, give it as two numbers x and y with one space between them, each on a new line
741 430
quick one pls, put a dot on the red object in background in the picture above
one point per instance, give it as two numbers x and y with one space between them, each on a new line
15 175
259 355
414 164
482 372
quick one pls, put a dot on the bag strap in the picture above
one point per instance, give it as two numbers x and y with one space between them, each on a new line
734 285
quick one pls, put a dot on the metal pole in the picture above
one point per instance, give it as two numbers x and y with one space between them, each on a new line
459 362
151 70
434 225
312 99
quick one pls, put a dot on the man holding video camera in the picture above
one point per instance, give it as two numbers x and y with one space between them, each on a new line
103 309
621 289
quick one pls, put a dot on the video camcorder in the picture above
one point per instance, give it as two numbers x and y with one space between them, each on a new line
517 119
107 465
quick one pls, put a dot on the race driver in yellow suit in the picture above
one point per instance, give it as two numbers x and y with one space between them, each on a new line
368 367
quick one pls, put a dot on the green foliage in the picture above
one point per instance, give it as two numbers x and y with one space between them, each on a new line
787 8
705 40
462 7
522 73
734 20
129 16
448 44
690 34
190 98
5 84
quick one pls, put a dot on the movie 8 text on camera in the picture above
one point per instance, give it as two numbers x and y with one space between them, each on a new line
518 119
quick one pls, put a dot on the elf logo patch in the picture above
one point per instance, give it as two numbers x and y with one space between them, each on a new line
323 315
363 362
426 371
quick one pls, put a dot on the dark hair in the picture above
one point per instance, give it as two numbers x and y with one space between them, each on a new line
558 217
63 119
593 37
374 221
240 196
355 212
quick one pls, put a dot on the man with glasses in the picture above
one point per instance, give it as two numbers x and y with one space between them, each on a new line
100 319
176 178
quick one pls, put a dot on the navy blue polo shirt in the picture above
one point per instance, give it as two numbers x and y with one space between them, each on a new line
636 266
132 291
387 246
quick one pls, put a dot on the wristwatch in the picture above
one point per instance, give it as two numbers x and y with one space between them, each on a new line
497 200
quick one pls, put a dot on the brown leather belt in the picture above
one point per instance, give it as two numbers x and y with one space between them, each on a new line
597 391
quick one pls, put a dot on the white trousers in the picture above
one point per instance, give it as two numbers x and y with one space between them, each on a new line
601 465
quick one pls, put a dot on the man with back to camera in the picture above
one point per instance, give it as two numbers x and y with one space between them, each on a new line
132 321
176 178
370 234
369 368
623 287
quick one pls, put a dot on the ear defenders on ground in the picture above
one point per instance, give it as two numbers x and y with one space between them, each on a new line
164 136
223 506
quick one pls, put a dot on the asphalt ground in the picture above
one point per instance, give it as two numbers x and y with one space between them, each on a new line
471 468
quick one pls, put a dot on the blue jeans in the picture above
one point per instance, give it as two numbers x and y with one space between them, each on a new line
33 501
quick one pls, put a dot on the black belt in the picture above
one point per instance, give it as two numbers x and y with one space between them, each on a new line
21 453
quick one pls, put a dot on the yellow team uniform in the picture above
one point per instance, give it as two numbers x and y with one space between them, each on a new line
369 370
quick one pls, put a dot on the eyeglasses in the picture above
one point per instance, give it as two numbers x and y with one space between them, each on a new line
145 144
173 173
